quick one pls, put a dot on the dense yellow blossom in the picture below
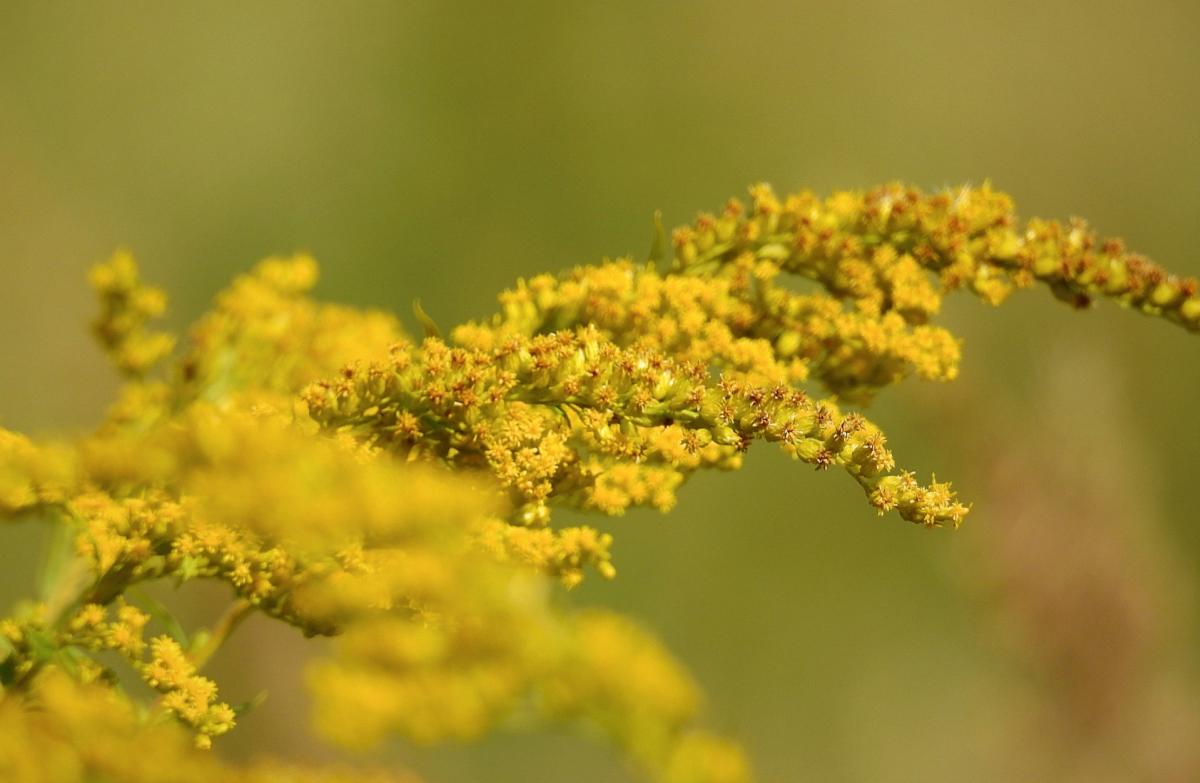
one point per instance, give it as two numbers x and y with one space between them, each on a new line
399 496
741 320
66 732
126 305
265 335
873 249
554 415
32 475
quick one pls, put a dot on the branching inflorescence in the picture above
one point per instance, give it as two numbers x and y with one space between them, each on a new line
398 495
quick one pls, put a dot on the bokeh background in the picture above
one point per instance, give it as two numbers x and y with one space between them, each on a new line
441 150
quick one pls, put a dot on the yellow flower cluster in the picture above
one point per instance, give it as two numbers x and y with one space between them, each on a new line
33 643
740 320
439 635
265 335
32 475
398 495
189 696
63 731
126 305
572 418
873 249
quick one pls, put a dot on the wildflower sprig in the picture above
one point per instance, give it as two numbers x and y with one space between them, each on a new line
738 319
127 305
398 495
585 405
873 248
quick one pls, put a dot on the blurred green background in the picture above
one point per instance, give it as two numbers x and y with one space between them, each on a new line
441 150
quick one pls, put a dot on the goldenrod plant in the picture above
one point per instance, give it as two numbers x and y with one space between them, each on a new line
398 493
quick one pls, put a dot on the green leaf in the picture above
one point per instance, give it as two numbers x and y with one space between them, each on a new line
248 706
57 557
160 612
8 671
8 663
427 323
41 648
69 658
658 245
189 568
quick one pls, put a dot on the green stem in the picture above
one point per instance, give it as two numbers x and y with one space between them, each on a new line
233 617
